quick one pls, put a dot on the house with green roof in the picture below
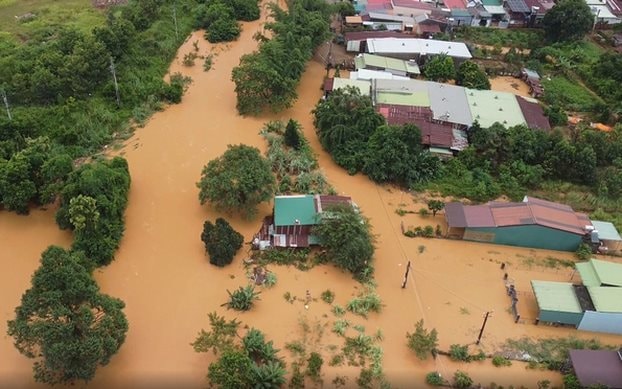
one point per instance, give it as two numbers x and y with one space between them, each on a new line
594 305
293 218
398 67
489 107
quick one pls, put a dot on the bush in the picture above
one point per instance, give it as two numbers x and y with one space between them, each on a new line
242 299
434 378
422 342
499 360
314 365
328 296
459 352
365 302
221 241
584 252
462 380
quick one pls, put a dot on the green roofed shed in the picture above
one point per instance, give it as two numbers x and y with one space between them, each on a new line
596 272
557 302
606 298
289 209
415 99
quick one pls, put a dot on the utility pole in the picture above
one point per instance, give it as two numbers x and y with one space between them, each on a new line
6 104
406 275
481 331
114 77
175 19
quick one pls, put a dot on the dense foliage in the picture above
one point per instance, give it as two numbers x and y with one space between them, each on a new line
65 322
568 20
346 237
470 75
238 180
242 299
96 194
268 77
355 135
422 342
221 241
440 68
243 362
219 17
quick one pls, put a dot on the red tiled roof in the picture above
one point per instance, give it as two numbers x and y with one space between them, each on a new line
413 4
461 4
534 116
363 35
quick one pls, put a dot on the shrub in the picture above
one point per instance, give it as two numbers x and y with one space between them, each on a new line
314 365
423 212
499 360
428 231
434 378
209 61
221 241
421 341
340 327
462 380
365 302
584 252
338 310
459 352
242 299
571 382
328 296
270 279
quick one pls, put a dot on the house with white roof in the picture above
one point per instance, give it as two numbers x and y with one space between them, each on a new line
417 49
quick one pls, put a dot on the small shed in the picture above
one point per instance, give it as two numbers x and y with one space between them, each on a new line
557 302
597 367
609 236
354 21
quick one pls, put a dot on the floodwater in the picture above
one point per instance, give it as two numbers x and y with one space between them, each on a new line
510 84
169 287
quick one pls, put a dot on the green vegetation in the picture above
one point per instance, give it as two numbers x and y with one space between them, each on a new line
243 362
440 68
367 301
267 78
347 240
355 135
293 162
328 296
422 342
340 326
64 322
314 366
570 95
219 18
221 241
242 299
462 380
584 252
499 360
470 75
520 38
434 378
301 258
459 352
238 180
568 20
92 204
435 206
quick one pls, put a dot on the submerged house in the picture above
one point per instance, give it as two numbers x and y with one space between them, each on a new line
594 305
597 367
531 223
293 219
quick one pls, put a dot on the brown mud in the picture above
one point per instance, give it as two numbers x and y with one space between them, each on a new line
163 275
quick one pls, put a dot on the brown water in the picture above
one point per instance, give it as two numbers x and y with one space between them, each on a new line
163 275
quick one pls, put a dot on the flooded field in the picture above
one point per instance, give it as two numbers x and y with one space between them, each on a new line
169 287
510 84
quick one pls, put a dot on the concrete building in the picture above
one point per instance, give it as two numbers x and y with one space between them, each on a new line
531 223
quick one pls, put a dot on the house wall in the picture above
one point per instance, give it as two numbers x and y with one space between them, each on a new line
525 236
607 322
560 317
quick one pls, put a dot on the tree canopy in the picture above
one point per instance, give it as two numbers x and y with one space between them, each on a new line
64 322
238 180
470 75
439 68
346 238
568 20
221 241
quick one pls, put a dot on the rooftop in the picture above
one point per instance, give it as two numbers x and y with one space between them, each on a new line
606 230
533 114
294 210
367 74
453 4
556 296
417 46
606 298
449 103
362 85
364 35
594 367
518 6
364 60
596 272
489 107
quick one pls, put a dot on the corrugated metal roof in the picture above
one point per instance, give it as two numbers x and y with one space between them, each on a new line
418 99
489 107
556 296
609 273
606 230
364 35
454 214
518 6
533 114
367 74
294 210
417 46
597 367
362 85
588 274
558 216
412 4
365 60
449 103
511 214
606 298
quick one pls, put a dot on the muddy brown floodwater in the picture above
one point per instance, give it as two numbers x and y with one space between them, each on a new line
163 275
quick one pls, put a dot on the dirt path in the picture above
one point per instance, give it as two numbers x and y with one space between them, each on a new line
163 275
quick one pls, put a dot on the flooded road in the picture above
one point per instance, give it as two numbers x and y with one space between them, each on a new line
169 287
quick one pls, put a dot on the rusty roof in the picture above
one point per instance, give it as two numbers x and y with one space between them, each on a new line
432 133
533 114
597 367
531 211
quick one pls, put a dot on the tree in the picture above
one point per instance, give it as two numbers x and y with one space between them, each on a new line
65 322
568 20
16 186
462 380
435 206
238 180
470 75
440 68
225 29
221 241
83 212
231 371
246 10
346 238
242 299
421 341
292 136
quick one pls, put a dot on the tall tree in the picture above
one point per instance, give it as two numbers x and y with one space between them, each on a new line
221 241
64 322
440 68
470 75
292 136
238 180
568 20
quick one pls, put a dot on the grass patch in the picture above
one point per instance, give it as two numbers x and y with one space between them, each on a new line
519 38
568 93
367 301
